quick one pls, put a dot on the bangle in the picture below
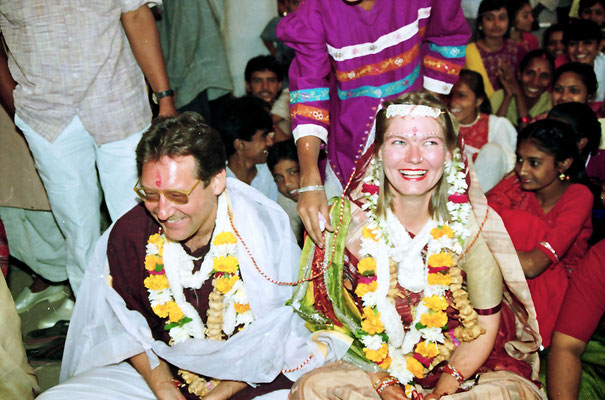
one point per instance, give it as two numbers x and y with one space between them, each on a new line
312 188
450 370
384 383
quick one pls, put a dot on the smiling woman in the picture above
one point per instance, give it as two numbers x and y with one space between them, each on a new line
524 95
405 229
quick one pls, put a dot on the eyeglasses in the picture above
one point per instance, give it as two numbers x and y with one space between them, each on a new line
153 195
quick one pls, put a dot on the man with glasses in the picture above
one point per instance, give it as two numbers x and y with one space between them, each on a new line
191 294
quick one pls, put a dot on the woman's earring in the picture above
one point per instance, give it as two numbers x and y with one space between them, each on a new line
563 177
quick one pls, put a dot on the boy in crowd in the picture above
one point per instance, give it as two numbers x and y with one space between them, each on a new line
283 164
264 80
583 41
247 132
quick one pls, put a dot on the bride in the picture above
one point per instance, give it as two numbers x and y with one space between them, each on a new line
419 278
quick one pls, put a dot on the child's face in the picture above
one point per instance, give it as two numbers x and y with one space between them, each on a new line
524 19
286 174
584 51
494 23
596 14
555 44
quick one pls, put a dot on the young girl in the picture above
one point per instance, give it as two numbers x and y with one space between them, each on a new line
576 82
524 95
521 17
552 41
493 49
489 140
547 215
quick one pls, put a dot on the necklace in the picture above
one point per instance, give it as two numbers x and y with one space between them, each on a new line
410 352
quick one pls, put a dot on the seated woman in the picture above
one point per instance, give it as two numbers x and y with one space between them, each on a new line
547 215
408 277
488 139
493 50
525 94
521 19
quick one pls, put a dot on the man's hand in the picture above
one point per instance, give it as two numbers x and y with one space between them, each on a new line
225 390
167 391
167 107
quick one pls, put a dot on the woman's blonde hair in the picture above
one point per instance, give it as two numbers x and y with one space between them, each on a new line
437 205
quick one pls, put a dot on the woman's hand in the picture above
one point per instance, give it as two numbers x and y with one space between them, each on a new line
394 392
310 206
313 203
507 78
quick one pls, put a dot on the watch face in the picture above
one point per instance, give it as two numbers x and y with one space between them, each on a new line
154 98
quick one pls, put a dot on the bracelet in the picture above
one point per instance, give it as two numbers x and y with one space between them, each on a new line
385 383
312 188
450 370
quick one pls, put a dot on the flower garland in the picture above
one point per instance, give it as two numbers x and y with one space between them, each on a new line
171 269
411 354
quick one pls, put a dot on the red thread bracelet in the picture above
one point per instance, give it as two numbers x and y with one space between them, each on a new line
453 372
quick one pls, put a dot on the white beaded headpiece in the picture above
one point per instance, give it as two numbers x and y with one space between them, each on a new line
412 110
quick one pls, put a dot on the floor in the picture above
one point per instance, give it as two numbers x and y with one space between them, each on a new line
47 370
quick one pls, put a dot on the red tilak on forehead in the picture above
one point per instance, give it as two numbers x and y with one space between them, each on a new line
158 179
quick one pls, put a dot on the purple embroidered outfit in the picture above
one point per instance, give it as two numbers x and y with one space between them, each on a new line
349 59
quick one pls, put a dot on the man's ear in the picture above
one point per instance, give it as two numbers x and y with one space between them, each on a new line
248 90
281 84
218 182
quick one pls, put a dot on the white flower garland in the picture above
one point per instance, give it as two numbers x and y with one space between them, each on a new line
413 274
168 259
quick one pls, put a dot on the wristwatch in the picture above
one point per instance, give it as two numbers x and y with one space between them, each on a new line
157 96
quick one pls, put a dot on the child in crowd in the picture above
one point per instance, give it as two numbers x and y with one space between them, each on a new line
247 131
587 129
552 41
488 139
546 213
574 82
283 164
524 95
521 19
493 50
593 10
583 41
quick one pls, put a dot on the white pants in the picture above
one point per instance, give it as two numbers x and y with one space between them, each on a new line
68 168
117 381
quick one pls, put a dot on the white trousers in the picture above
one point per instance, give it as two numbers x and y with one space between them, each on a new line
68 168
117 381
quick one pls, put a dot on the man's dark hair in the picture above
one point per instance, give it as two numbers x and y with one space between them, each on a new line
263 63
185 135
285 150
581 29
241 118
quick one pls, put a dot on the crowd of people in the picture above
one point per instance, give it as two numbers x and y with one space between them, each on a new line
397 208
